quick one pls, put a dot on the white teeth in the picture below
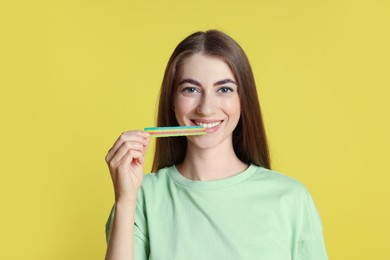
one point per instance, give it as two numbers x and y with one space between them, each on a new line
208 125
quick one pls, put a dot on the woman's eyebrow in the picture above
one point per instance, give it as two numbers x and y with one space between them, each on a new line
197 83
224 81
191 81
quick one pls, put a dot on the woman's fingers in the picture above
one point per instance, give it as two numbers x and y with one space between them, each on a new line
141 137
131 159
129 175
123 149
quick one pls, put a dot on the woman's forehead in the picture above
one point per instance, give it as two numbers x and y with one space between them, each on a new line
205 67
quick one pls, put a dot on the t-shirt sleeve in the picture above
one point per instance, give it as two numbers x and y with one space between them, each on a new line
141 242
311 243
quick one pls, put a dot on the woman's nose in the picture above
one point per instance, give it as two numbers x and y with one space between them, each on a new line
207 105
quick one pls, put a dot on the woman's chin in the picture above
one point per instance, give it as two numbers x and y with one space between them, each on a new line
208 141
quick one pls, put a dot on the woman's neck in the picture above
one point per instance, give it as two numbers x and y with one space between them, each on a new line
210 164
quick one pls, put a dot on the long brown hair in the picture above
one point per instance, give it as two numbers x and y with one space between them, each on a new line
249 138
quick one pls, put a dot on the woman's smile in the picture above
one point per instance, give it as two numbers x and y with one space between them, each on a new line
210 125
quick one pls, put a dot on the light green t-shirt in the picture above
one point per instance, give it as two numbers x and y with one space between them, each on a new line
257 214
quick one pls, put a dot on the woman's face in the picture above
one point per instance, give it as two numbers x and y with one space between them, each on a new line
207 95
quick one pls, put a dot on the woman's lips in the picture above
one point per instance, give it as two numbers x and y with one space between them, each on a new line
210 125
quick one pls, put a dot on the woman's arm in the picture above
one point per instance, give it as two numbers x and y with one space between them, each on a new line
121 242
125 161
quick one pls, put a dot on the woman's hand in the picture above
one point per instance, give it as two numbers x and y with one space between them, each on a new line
125 160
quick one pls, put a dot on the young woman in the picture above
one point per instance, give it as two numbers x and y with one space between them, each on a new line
212 196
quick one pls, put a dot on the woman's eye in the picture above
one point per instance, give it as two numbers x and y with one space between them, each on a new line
225 90
189 90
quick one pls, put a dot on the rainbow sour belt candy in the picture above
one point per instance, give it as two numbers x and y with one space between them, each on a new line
175 131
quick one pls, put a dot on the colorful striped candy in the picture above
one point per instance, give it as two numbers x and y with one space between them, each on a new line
175 131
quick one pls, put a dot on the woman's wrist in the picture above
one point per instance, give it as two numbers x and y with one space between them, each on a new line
126 200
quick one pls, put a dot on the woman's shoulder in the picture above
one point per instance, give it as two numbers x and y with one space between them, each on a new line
277 181
155 186
155 181
156 177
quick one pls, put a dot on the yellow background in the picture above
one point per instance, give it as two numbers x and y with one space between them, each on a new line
75 74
